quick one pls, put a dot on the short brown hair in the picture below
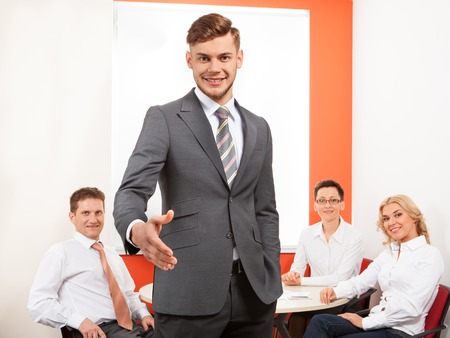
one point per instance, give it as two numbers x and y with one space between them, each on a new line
329 184
211 26
83 194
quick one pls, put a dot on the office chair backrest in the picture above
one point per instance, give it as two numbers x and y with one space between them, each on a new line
364 264
365 300
438 311
286 260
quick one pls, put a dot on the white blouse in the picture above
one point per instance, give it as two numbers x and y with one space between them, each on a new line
408 275
330 261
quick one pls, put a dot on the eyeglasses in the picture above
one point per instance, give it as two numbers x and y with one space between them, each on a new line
332 201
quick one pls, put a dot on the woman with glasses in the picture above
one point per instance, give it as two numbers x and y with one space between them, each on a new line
408 272
331 247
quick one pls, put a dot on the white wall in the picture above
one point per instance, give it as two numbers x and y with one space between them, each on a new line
401 108
55 105
55 108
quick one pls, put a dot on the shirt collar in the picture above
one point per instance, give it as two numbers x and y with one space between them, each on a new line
337 236
210 106
85 241
411 245
318 231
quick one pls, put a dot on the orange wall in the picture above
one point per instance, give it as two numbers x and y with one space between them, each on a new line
330 85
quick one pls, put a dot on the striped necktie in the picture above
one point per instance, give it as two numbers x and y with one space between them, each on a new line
225 145
119 302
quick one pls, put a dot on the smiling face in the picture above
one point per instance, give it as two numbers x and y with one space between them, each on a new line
214 64
398 224
331 210
89 217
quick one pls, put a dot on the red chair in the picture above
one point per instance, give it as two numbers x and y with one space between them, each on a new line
434 322
286 259
364 264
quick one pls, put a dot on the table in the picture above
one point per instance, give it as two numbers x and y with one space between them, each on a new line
146 293
284 305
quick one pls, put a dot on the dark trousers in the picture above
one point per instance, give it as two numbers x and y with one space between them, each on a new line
298 321
326 325
113 330
244 315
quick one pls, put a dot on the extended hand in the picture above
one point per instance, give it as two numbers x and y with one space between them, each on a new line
353 318
146 237
91 330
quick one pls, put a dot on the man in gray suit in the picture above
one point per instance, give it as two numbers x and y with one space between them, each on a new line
216 247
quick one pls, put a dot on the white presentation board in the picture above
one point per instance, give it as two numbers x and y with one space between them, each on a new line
150 69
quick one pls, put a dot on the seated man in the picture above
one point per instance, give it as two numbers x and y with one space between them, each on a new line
71 287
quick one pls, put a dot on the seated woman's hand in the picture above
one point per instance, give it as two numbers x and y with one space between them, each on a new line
353 318
291 278
327 295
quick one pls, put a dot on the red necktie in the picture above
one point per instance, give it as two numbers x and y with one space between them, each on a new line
120 304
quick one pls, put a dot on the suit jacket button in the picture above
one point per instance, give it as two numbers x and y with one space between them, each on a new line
230 235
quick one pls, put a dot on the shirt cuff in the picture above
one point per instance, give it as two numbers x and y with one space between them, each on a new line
128 234
75 320
142 313
373 322
306 281
338 292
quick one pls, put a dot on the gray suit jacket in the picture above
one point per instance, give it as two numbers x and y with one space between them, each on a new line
177 149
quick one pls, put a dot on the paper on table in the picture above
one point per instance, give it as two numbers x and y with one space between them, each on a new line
296 295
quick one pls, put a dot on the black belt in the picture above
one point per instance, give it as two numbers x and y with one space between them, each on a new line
107 323
237 267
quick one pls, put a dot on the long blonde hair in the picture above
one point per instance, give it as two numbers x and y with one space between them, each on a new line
407 204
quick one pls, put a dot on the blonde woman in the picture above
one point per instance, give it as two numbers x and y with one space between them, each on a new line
408 272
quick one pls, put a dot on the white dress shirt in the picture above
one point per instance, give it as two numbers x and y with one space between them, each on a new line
234 125
330 261
234 121
70 286
409 284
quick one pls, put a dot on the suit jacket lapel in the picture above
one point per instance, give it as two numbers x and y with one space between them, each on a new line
193 115
250 133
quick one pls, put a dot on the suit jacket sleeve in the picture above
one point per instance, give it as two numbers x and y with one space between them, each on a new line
141 175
